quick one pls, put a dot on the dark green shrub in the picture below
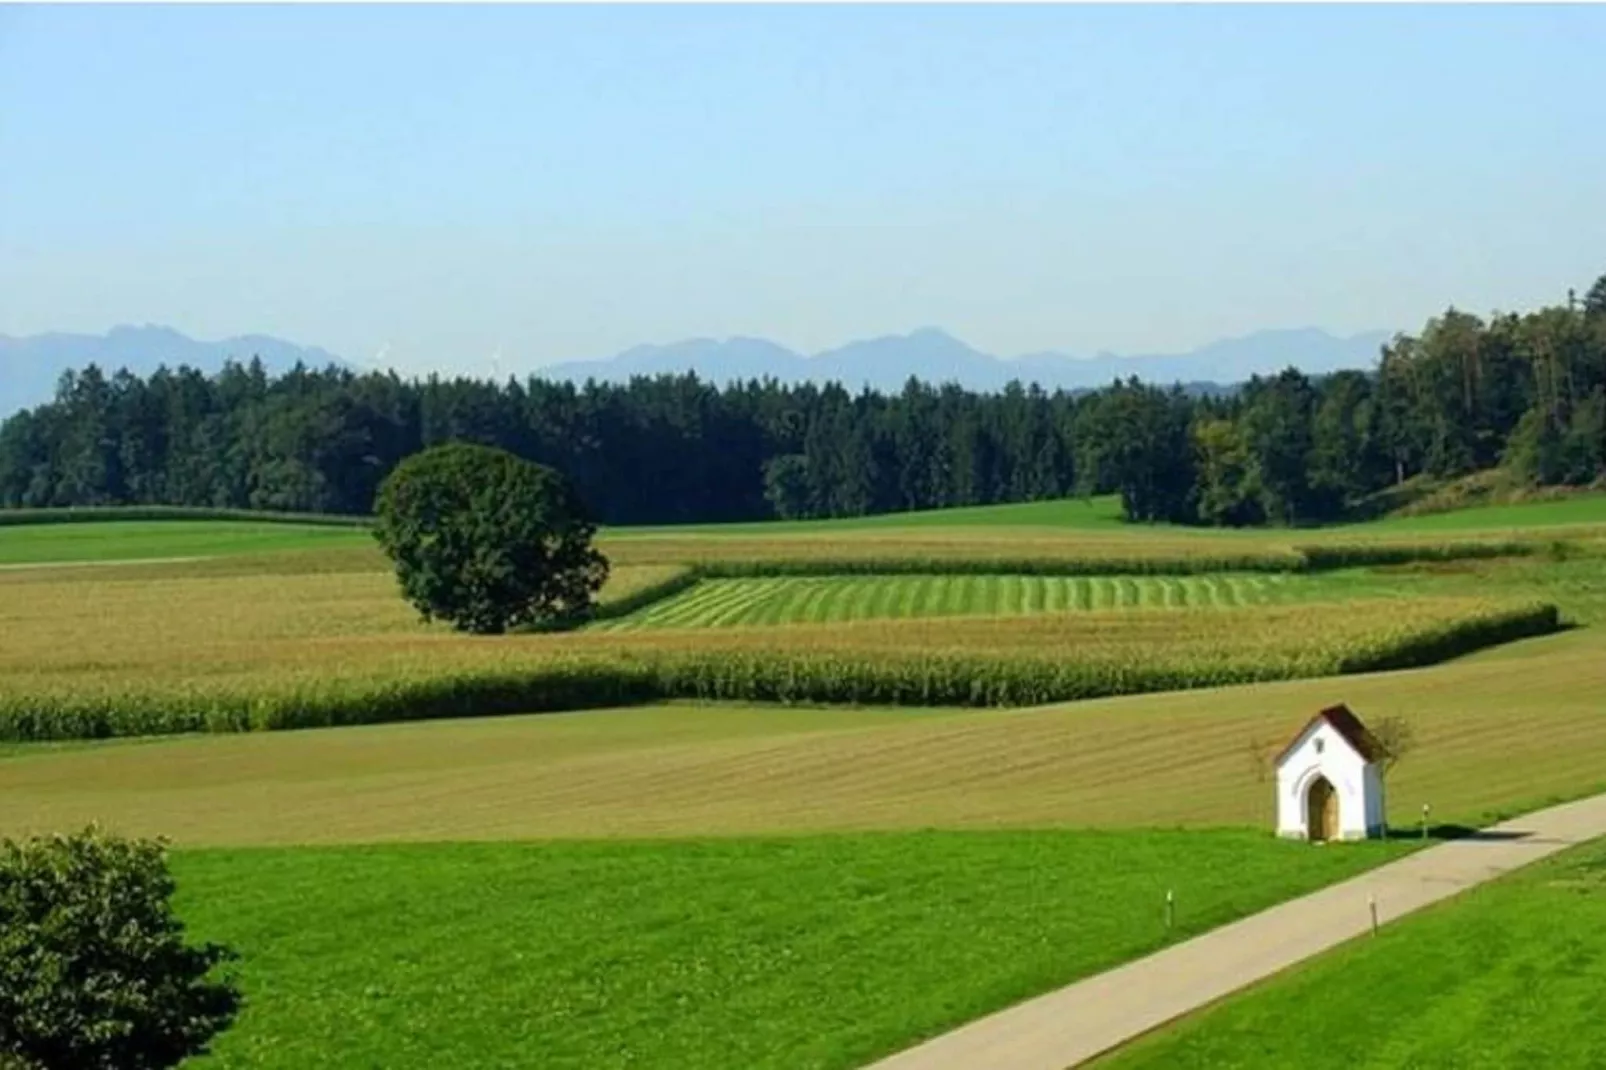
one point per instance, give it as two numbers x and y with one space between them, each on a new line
94 971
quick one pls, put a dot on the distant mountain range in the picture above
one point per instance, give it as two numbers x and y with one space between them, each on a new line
29 367
933 355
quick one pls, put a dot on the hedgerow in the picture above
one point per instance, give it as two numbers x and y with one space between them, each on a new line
1318 558
102 513
1329 557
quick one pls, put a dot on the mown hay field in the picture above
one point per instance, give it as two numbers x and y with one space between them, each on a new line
754 601
1497 732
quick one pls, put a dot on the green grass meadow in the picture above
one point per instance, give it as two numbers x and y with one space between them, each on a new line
136 540
175 534
1508 975
816 953
1101 513
1582 509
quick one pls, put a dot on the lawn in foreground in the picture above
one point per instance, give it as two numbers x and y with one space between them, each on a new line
805 953
1509 975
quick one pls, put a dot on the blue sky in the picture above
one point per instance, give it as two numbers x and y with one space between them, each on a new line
564 182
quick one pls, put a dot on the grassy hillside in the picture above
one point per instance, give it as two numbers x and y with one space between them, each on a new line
107 513
1103 514
133 540
1092 525
1508 975
804 953
1075 514
1584 509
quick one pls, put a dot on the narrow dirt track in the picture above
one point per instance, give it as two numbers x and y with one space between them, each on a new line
21 566
1069 1026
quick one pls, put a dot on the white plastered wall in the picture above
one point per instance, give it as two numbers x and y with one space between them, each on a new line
1322 751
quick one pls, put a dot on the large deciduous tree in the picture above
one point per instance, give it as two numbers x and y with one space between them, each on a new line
1277 429
486 540
1227 491
1137 444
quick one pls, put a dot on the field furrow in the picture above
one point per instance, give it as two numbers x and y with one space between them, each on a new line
955 595
777 600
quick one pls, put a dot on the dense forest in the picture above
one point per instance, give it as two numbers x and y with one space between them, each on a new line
1526 391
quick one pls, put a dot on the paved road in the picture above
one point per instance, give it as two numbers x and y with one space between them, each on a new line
1069 1026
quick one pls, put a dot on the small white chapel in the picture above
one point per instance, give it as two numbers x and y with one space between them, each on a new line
1330 780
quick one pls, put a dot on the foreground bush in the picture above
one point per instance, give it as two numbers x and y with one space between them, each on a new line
94 971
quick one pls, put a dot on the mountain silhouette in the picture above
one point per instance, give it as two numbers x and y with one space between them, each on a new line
933 355
30 366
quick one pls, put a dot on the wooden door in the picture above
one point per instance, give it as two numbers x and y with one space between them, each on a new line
1330 815
1321 810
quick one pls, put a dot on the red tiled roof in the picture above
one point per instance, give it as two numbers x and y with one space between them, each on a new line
1346 724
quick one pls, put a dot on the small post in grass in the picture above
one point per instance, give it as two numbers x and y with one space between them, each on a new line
1170 910
1371 903
1425 809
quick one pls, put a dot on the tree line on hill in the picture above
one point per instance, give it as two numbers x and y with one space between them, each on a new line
1527 391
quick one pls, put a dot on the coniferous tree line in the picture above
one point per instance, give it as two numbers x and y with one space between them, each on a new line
1527 391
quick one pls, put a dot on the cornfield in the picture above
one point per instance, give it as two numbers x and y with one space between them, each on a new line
256 664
